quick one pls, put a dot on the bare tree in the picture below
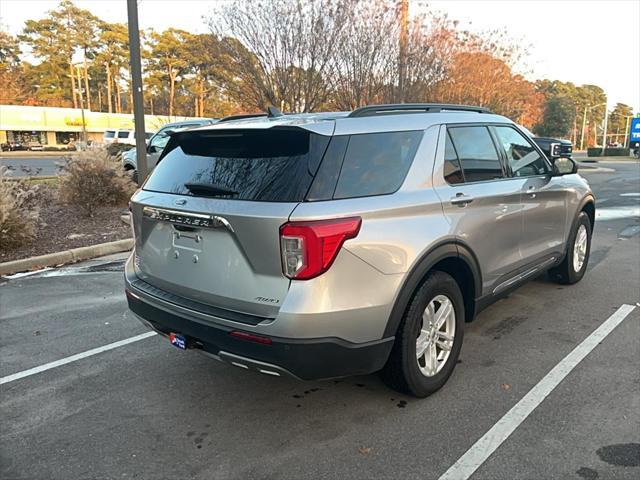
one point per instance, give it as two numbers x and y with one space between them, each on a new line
283 50
430 50
366 57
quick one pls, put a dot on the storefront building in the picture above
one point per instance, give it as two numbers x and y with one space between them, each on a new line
58 128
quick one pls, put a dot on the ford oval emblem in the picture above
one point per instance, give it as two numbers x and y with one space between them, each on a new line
180 201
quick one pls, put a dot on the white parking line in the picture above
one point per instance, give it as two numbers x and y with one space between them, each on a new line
74 358
490 441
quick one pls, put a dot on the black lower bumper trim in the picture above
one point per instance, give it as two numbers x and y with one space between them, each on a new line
306 359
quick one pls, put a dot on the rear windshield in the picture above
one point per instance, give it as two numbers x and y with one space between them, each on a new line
274 165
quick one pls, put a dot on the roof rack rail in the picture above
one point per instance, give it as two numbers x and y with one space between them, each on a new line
399 108
241 116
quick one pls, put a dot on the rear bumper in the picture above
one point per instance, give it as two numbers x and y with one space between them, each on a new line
306 359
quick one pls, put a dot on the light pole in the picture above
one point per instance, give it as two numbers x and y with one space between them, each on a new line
626 130
136 85
604 133
584 121
84 125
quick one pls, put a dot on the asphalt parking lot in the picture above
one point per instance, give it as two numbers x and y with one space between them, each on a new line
147 410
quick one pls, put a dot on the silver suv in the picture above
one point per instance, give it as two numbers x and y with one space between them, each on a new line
333 244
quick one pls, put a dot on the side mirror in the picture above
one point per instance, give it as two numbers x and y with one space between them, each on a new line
564 166
152 149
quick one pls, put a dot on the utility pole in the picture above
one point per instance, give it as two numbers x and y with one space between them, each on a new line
403 17
136 84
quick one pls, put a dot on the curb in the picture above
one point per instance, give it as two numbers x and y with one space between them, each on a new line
66 256
590 169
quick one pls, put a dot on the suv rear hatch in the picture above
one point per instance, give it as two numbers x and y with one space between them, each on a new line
207 220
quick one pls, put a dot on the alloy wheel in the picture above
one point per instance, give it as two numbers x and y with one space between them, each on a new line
436 336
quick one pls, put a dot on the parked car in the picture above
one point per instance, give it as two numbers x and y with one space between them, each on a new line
124 136
326 245
34 146
157 142
12 146
554 147
109 136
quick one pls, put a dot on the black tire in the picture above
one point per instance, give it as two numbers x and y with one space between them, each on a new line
402 372
565 273
133 174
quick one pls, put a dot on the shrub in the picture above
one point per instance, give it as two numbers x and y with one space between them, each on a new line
114 149
617 152
92 179
594 152
608 152
18 211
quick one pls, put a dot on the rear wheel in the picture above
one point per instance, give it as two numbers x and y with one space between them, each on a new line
429 338
574 265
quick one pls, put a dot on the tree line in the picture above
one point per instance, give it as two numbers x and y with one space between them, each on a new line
299 55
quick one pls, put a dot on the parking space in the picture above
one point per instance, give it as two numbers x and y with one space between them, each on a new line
148 410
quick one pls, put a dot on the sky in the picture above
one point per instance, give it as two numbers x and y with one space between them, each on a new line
582 41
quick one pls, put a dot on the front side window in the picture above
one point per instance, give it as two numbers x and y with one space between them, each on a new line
123 134
376 163
524 160
477 153
109 134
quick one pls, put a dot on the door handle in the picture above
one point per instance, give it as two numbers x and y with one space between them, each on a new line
461 200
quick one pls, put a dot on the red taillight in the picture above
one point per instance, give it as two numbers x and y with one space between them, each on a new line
250 337
309 248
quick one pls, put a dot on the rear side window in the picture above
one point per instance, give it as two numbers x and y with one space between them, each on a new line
476 153
123 134
273 165
376 163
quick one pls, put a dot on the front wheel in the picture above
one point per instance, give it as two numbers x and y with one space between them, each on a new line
574 265
429 338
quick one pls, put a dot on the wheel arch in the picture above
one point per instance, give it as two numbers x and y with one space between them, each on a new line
451 257
588 205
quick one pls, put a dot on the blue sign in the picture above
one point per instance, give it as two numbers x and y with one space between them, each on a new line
634 136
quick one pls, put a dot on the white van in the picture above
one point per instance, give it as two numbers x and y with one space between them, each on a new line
122 136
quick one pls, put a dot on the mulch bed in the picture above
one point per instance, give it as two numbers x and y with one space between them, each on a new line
62 227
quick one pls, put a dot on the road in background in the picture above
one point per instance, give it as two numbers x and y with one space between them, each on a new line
149 410
35 166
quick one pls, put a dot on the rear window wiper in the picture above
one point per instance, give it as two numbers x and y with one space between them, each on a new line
205 189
